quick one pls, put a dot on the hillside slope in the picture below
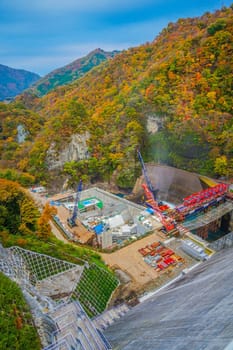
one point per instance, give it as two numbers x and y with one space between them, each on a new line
14 81
182 81
17 330
71 72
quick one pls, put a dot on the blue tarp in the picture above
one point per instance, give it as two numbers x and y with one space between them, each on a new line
99 228
150 210
55 203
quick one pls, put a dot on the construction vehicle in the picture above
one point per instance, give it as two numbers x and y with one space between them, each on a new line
147 179
167 222
72 220
160 205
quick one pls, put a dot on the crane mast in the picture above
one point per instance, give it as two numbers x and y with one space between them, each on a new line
148 182
167 222
72 220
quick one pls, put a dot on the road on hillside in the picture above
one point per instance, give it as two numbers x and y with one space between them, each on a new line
41 201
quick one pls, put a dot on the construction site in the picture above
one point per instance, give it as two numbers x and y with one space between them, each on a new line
178 212
169 228
164 199
101 219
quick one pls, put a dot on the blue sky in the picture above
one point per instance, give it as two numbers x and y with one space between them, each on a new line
42 35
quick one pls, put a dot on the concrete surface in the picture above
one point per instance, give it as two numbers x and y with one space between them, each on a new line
173 184
196 312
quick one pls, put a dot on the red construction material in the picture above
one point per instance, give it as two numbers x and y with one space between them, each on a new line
169 261
169 252
161 266
166 221
163 207
155 244
143 252
205 195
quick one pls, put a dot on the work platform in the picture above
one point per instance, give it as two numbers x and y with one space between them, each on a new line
212 215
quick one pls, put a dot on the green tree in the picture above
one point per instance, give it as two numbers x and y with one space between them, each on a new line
221 166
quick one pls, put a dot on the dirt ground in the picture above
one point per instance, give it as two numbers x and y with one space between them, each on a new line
143 277
129 260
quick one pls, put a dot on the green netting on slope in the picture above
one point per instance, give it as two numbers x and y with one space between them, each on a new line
40 266
94 289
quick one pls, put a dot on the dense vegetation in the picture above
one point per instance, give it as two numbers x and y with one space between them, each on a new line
16 326
71 72
21 224
183 78
14 81
94 290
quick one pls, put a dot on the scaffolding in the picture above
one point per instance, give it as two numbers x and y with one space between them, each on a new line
75 330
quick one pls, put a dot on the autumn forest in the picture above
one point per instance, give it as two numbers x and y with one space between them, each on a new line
183 79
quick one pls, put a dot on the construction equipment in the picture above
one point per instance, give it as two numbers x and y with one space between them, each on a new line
147 179
160 206
72 220
167 222
201 201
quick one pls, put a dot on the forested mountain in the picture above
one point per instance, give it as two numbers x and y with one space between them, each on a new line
182 81
71 72
14 81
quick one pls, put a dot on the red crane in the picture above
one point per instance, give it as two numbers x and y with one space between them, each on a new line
167 222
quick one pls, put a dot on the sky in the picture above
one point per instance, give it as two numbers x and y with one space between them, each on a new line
42 35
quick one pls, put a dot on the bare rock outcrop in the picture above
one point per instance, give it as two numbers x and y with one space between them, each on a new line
76 150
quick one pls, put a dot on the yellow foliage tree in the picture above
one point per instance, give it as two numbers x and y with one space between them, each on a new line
221 166
44 228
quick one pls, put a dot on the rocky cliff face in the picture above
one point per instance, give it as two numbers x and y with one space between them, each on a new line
154 123
21 133
76 150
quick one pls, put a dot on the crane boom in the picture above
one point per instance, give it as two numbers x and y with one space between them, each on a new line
167 222
72 220
148 182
